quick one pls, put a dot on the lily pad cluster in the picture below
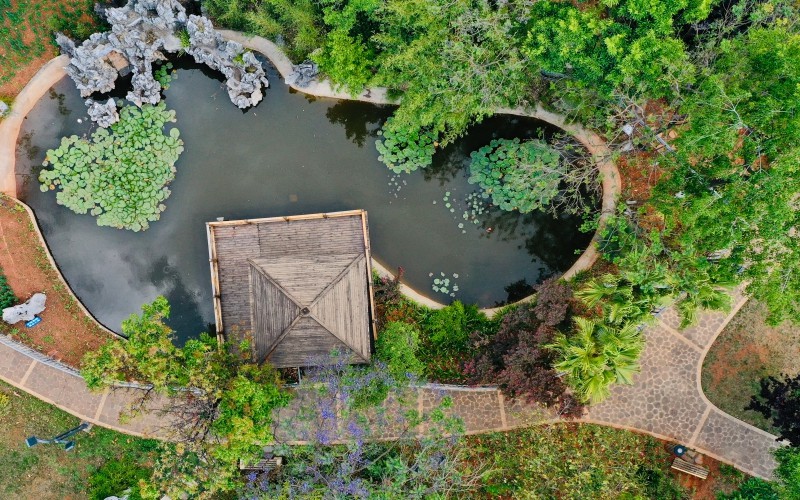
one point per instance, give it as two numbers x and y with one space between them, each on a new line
476 206
523 176
120 174
404 151
164 75
443 284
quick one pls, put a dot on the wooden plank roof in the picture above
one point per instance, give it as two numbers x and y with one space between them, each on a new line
299 286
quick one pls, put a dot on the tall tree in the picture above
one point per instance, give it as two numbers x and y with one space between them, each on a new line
217 404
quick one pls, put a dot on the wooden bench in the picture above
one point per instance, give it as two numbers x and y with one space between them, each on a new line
690 468
266 463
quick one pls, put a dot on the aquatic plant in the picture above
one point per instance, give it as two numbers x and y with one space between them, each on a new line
118 176
405 150
522 176
442 284
164 75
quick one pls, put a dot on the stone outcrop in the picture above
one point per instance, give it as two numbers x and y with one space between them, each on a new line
26 311
303 74
104 114
142 32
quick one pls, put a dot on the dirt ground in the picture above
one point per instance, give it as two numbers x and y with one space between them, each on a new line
65 332
744 353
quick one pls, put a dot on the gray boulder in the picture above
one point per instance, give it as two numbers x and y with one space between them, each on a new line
304 73
104 114
141 32
26 311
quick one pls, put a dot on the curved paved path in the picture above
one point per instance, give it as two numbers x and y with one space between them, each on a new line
666 401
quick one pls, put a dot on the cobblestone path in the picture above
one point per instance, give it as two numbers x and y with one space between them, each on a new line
667 400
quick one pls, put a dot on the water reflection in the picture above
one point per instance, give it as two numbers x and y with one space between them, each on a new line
290 155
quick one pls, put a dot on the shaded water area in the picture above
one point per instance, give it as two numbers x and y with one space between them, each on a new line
289 155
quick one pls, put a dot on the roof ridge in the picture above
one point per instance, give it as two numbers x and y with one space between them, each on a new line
275 282
356 260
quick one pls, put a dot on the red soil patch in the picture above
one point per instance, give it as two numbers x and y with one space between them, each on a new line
639 176
65 332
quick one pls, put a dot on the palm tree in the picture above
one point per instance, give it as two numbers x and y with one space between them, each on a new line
598 355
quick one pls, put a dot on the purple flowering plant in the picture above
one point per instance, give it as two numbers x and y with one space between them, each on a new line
359 432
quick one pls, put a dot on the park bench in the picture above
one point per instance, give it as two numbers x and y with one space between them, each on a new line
263 464
690 468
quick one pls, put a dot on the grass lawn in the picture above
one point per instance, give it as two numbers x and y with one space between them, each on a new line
27 40
744 353
48 471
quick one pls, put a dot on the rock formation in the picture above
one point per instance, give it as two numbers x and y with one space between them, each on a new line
142 32
26 311
104 114
303 74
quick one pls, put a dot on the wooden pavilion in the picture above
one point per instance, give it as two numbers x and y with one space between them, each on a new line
299 287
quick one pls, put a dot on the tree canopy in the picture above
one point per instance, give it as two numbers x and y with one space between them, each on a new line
218 403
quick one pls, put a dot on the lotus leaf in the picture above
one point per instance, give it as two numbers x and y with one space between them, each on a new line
118 176
523 176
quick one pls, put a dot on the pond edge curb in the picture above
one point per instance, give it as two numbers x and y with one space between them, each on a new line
608 173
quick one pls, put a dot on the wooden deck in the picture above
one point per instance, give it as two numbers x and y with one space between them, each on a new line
298 286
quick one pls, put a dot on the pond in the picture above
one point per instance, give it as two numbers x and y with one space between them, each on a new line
291 154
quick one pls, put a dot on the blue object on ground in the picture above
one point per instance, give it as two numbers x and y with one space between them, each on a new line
35 321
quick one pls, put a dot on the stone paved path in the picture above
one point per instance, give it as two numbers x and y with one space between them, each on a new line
665 401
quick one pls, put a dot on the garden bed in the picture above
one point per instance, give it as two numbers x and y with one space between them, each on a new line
65 332
589 461
744 353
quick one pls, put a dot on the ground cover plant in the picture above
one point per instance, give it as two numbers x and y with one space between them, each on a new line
49 472
785 486
574 461
26 36
121 175
7 297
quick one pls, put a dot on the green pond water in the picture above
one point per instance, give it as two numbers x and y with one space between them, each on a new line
291 154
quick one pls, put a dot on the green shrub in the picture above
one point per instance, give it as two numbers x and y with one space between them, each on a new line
753 488
116 476
397 346
7 297
522 176
118 176
448 329
5 404
596 356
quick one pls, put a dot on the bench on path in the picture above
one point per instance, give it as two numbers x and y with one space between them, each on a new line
690 468
263 464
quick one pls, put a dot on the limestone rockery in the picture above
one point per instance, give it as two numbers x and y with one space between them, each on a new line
141 33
